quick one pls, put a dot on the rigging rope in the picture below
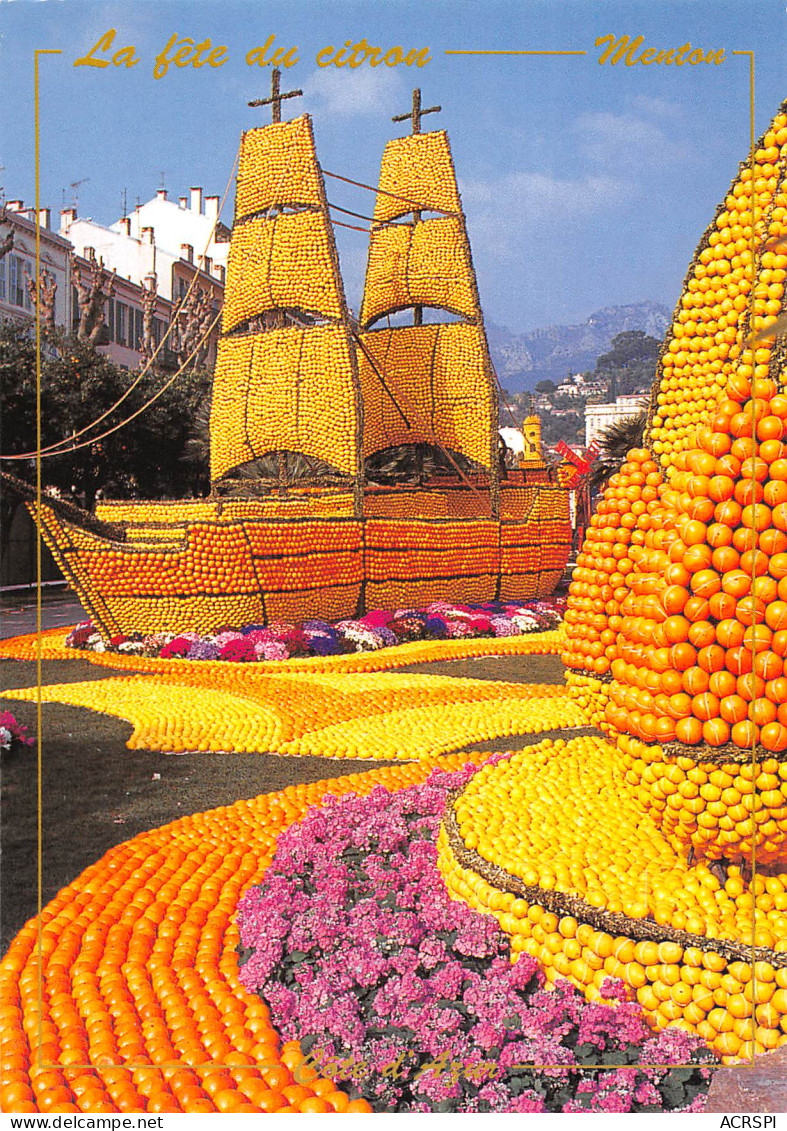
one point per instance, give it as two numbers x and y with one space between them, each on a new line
352 227
396 196
383 382
349 212
65 444
135 414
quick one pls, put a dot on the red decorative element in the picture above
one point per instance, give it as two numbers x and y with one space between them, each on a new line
581 463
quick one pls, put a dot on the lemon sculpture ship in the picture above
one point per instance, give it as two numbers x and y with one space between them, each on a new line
307 396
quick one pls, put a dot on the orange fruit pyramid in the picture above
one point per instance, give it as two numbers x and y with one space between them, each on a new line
668 865
679 603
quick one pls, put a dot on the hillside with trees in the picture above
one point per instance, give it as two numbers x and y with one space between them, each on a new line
628 367
548 353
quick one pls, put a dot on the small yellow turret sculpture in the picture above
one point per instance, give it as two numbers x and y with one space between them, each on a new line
532 456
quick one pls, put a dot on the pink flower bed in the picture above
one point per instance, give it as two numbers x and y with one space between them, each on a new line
441 620
360 954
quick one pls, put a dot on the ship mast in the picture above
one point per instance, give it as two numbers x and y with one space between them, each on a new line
275 101
414 117
276 97
440 388
287 399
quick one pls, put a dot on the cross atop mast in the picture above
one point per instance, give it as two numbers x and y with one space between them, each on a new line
416 113
276 97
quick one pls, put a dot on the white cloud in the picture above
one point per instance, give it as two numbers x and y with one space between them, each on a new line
657 107
542 196
626 141
361 91
508 212
614 154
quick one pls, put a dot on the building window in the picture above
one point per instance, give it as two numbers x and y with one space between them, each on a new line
137 339
121 323
158 330
110 308
2 278
18 293
74 310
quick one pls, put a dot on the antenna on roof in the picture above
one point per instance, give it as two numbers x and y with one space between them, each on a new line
74 194
124 202
161 175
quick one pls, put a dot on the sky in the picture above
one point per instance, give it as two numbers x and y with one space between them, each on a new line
584 185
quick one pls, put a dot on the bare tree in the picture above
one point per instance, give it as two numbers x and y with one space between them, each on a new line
93 291
147 343
190 320
48 292
7 241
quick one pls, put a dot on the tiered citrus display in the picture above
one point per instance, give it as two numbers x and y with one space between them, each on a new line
604 895
734 286
668 865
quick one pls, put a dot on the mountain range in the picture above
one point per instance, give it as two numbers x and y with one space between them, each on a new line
551 352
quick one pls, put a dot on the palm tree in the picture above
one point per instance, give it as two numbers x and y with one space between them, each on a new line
613 443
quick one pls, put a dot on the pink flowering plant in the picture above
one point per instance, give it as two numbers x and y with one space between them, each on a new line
409 997
377 629
12 733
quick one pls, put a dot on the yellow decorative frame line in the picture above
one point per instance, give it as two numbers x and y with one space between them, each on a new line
50 51
39 826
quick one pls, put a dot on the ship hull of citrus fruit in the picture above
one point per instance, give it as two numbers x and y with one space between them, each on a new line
198 565
311 408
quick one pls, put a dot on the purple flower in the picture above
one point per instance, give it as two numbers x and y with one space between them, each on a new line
503 626
203 650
